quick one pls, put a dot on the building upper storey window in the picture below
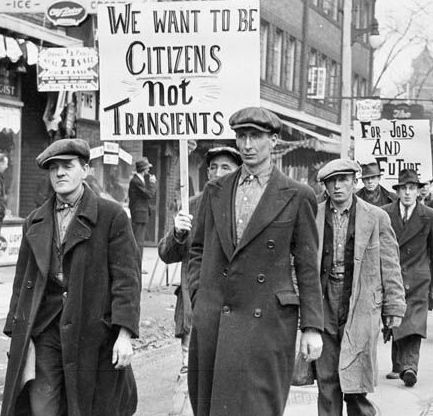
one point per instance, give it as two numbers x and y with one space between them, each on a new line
264 34
330 8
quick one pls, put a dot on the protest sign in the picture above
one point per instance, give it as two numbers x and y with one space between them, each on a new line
395 145
177 70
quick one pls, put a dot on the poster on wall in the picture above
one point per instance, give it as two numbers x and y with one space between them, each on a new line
10 241
177 70
68 69
395 145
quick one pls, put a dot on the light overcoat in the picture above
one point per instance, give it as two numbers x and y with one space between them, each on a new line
377 290
101 262
245 307
415 240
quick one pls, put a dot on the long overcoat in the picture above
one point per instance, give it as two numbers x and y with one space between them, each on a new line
140 194
101 262
245 307
377 290
170 251
415 240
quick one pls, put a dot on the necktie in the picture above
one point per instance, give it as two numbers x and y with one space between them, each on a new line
406 215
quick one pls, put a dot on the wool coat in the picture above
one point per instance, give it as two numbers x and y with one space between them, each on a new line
140 194
415 240
245 307
385 196
377 291
101 263
171 250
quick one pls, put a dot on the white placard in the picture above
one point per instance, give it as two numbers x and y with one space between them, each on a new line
96 152
125 156
10 241
395 145
110 159
177 70
111 147
67 69
367 110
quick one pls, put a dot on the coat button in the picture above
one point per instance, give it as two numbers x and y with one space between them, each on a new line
406 286
270 244
29 284
257 313
225 272
226 309
261 278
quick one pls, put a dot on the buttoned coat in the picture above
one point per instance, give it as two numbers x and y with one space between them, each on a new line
245 307
377 290
101 262
140 193
415 241
171 251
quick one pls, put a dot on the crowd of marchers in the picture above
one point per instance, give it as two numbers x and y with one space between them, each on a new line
262 261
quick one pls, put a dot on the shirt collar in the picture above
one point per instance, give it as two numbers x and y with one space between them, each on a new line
60 203
345 210
262 176
409 209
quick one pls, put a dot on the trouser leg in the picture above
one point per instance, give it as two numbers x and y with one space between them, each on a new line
330 401
396 365
46 392
359 405
408 353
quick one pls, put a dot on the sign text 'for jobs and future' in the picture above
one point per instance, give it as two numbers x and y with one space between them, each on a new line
395 145
177 71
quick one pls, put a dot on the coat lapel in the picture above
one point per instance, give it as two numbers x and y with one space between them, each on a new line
276 196
40 235
221 193
413 226
79 228
320 222
396 221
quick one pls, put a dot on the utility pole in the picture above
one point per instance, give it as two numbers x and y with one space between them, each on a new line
346 80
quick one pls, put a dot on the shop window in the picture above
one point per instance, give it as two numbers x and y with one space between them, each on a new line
290 61
277 57
264 32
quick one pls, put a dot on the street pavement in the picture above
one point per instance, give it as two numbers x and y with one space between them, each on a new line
156 369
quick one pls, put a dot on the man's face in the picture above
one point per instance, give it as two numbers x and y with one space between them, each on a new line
255 146
371 183
425 190
4 165
340 188
220 165
408 194
67 175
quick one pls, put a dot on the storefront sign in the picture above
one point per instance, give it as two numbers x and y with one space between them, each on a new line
403 111
395 145
10 240
86 105
66 13
367 110
110 159
177 70
96 152
68 69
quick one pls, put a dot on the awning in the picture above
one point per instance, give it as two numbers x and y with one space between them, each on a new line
312 140
15 49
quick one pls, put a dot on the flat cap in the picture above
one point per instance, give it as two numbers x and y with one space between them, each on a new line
256 117
224 150
338 167
64 149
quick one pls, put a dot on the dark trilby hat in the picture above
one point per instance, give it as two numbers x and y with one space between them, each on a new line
64 149
369 170
256 117
224 150
406 176
338 167
142 164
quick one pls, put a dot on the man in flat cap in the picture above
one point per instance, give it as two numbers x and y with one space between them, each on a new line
245 305
75 301
373 192
413 225
142 188
361 284
174 247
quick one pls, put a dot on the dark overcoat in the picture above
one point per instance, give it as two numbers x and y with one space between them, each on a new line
386 197
415 241
101 262
140 194
245 306
170 251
